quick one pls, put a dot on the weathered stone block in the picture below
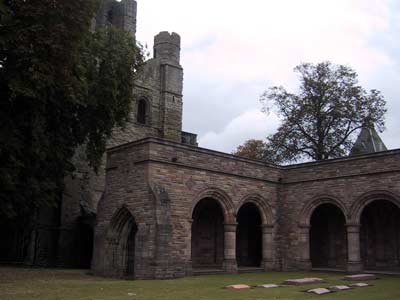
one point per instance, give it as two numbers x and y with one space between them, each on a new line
360 277
302 281
238 287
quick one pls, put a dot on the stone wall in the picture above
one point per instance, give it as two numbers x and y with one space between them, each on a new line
347 183
166 181
161 182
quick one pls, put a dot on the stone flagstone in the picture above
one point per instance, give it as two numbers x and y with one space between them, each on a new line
268 286
339 288
301 281
359 284
360 277
319 291
237 287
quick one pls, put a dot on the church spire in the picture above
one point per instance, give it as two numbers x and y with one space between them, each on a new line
368 141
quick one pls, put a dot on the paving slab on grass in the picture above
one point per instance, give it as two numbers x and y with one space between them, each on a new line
237 287
319 291
337 288
360 284
301 281
360 277
268 286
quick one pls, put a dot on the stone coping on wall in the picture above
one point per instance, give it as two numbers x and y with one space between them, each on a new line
351 166
258 162
343 159
191 148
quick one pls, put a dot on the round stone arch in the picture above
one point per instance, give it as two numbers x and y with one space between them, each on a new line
211 214
119 253
254 232
368 197
265 210
322 234
223 199
310 206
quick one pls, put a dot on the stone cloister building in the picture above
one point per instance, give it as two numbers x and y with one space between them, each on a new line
164 207
171 209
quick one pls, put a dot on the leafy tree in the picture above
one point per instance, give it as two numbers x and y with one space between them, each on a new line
320 120
253 149
62 86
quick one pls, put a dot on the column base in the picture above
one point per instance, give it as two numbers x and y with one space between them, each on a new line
305 265
189 268
268 265
354 266
230 266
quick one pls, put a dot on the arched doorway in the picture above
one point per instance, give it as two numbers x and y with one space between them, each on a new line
249 236
328 238
208 234
380 236
130 252
122 239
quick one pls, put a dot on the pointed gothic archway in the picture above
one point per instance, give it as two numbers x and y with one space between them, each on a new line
249 236
121 242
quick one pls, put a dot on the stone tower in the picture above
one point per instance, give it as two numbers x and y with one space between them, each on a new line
157 109
167 53
120 14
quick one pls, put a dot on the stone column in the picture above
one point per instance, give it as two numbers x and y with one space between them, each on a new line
189 263
230 264
267 247
353 248
304 247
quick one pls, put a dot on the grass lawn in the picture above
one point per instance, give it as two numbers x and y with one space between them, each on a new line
46 284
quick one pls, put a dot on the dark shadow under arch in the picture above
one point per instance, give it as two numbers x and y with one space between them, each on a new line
328 237
249 236
380 236
143 109
207 234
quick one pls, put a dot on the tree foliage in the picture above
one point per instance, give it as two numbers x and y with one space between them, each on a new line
61 86
320 120
253 149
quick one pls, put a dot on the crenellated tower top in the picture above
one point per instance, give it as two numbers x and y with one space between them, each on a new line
167 46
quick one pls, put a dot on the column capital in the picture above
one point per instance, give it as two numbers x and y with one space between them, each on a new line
267 228
230 227
353 227
267 225
304 226
304 229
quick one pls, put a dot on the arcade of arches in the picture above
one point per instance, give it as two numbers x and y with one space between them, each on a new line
216 243
334 242
373 242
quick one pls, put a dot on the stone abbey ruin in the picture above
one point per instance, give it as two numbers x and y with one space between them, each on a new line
165 208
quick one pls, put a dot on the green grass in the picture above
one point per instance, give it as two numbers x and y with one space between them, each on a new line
46 284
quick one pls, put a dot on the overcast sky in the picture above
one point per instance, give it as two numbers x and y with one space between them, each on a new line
232 51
